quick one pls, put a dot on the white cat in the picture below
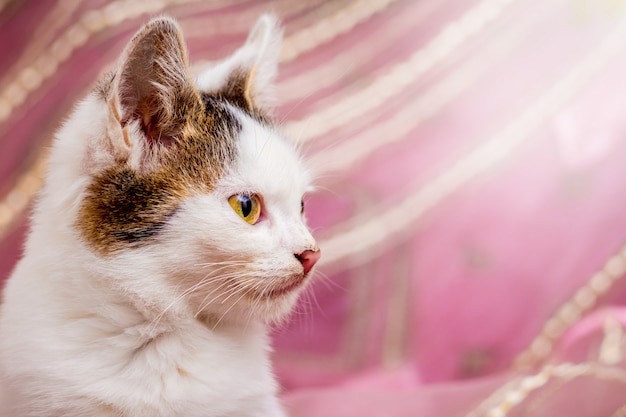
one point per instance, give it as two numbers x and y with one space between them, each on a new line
169 233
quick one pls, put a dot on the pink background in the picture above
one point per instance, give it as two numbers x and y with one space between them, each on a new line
471 161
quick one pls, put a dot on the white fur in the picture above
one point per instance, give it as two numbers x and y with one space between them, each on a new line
83 334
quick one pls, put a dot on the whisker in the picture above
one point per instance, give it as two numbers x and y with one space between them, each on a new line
328 282
230 262
313 296
208 279
235 286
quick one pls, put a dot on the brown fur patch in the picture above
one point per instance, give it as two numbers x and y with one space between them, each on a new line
125 208
235 91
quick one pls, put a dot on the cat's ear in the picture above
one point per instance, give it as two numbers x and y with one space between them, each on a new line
152 87
246 78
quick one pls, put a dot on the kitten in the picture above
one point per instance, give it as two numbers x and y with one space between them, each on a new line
169 233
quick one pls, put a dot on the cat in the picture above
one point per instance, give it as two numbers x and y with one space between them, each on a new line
170 233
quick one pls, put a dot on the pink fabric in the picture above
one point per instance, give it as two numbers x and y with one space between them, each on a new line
426 312
599 391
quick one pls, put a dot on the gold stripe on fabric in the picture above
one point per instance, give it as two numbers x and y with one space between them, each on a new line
613 344
327 29
571 311
367 232
428 104
449 39
333 69
20 196
239 22
566 372
56 18
494 397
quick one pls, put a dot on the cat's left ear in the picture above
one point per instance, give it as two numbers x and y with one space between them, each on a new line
246 78
152 90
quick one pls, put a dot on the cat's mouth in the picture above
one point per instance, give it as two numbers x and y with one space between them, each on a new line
290 285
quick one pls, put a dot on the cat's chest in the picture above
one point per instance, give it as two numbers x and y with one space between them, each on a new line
185 372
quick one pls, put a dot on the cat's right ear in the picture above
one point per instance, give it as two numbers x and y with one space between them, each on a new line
151 91
246 78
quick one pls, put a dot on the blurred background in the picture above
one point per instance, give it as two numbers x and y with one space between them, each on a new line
471 209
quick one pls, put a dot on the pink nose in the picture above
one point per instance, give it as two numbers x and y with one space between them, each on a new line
308 259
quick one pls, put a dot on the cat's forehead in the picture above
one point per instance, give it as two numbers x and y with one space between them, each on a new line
268 162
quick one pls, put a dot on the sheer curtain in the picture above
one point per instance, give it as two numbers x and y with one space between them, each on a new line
471 208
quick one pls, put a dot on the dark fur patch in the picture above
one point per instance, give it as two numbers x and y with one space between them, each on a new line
125 208
234 92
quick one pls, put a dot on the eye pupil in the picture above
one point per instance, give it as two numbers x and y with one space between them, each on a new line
302 207
246 205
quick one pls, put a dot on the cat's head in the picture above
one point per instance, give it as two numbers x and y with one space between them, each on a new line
186 188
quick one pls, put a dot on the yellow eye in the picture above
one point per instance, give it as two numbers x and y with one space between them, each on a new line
248 207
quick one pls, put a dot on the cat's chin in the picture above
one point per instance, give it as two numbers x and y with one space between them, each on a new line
281 304
268 311
281 289
278 310
274 303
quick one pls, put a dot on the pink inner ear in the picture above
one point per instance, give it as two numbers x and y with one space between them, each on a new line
153 82
158 139
154 135
164 141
